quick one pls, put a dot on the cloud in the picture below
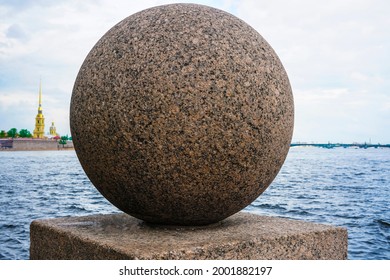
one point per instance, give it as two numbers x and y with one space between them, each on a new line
15 31
341 115
366 78
335 53
331 36
48 40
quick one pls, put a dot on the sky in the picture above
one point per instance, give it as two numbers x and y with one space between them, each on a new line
336 54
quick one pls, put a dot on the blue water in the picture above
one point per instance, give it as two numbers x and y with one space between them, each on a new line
342 187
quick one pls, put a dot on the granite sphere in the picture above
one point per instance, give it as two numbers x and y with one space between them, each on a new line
181 114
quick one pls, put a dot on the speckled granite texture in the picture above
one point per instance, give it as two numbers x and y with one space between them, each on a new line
181 114
241 236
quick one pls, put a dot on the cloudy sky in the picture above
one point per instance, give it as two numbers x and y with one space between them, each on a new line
336 53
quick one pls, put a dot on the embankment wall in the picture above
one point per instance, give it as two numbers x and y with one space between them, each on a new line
37 145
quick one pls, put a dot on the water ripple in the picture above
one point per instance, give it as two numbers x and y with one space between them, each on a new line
342 187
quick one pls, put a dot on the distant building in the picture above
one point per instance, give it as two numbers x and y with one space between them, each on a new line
39 130
53 131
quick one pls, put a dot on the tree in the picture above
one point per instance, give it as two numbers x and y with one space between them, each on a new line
63 140
13 132
25 133
3 134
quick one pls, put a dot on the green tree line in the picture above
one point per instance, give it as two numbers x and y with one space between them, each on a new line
13 133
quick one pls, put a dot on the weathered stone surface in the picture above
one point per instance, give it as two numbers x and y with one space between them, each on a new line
241 236
181 114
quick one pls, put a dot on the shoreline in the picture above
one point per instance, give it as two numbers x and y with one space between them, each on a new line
37 150
339 145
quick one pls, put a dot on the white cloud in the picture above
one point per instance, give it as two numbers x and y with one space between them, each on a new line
38 39
341 115
336 54
319 95
10 100
366 78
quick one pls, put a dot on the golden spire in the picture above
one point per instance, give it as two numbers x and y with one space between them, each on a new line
40 97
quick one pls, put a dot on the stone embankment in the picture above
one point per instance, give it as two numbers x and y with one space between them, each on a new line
28 144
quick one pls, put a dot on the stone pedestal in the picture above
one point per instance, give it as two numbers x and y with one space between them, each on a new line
241 236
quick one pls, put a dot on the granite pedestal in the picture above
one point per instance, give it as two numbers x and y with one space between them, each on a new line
241 236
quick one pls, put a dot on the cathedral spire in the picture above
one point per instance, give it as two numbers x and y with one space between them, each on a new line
39 130
40 97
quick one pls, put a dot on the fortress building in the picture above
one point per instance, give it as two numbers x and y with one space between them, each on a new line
39 130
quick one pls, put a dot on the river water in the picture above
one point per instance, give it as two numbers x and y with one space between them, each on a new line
343 187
